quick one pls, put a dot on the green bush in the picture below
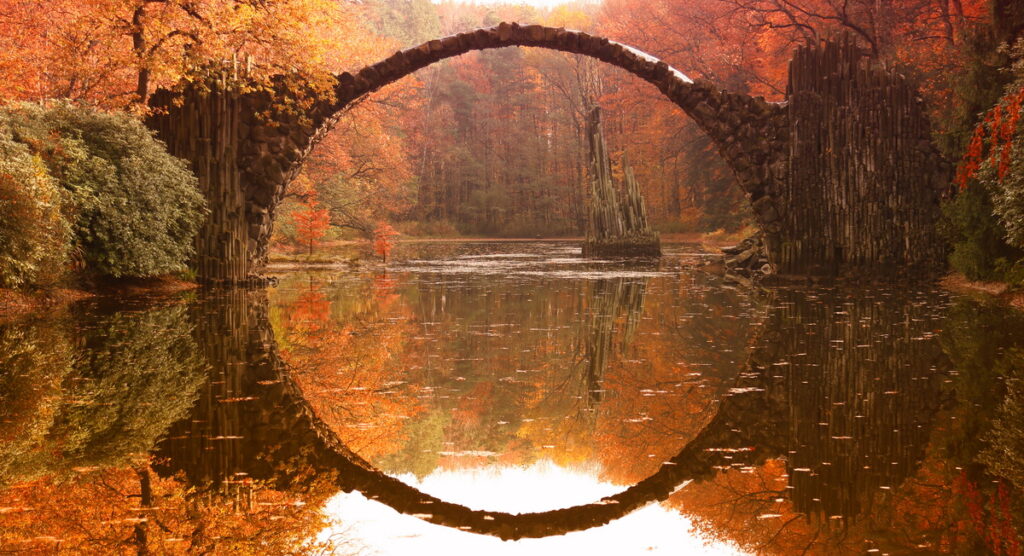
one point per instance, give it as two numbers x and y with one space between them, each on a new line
134 208
1008 190
982 221
977 237
33 235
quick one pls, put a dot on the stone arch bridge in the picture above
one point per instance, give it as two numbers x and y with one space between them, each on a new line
841 176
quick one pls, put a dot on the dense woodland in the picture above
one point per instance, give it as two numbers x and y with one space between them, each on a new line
493 143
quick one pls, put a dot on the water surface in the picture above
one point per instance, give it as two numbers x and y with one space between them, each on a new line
515 398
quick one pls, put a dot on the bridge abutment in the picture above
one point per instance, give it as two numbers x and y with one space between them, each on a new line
864 178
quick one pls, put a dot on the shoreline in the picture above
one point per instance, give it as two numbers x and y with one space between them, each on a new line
17 304
1000 291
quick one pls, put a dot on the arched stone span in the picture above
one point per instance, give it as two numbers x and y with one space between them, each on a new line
749 132
842 176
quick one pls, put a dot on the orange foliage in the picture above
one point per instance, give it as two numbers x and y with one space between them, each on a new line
311 223
349 362
108 51
383 240
102 511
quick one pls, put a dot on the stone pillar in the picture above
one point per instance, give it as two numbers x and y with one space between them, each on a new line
201 126
864 177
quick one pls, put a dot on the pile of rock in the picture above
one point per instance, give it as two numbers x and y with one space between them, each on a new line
747 259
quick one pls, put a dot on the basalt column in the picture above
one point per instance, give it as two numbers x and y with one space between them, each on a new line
864 177
201 126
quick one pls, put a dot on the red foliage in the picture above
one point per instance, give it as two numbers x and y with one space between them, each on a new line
383 240
996 130
995 526
311 223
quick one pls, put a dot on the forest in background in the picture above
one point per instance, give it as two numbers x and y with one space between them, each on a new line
492 143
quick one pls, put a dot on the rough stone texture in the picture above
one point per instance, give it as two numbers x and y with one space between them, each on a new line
865 180
853 206
615 227
205 132
747 261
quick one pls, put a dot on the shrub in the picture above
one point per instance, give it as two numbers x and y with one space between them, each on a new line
975 235
34 237
134 208
985 221
1008 191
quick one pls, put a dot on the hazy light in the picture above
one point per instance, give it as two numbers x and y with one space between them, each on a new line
539 3
357 522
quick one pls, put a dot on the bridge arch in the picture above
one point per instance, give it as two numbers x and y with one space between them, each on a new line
841 177
749 132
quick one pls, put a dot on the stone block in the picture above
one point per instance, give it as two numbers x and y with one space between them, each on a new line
504 32
533 34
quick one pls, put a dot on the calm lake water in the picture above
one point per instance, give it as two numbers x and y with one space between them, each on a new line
513 398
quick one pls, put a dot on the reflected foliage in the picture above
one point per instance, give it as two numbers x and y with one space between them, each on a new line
841 394
97 395
138 373
817 420
35 358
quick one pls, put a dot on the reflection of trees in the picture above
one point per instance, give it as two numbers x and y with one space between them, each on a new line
231 435
244 452
985 340
83 399
1004 455
986 343
348 360
664 386
252 425
853 366
836 402
836 390
34 359
136 372
861 377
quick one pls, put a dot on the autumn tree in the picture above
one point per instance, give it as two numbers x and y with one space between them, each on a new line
311 223
115 52
384 240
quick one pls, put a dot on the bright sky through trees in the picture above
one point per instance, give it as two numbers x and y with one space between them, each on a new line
538 3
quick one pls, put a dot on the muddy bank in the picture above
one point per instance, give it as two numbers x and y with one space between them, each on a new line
1002 291
16 304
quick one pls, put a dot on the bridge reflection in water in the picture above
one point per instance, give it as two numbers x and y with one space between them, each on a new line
841 386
